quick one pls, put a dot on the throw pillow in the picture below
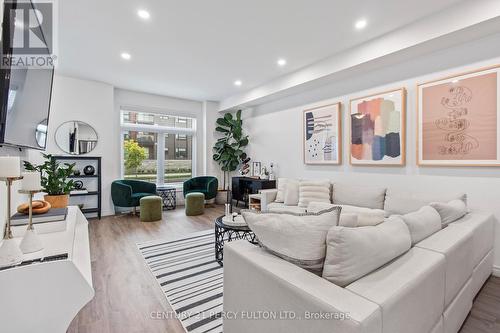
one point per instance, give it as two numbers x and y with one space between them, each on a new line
362 196
422 223
450 211
314 190
280 195
354 252
364 216
292 192
297 238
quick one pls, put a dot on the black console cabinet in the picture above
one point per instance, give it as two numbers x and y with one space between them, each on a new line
243 186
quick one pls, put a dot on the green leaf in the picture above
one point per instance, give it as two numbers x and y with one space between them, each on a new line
221 129
222 122
228 117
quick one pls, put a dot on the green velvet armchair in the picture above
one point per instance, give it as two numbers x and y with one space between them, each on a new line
128 193
205 184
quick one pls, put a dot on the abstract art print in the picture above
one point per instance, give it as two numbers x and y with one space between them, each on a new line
458 120
322 135
378 129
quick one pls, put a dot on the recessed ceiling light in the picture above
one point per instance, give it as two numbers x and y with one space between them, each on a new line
126 56
281 62
143 14
360 24
238 83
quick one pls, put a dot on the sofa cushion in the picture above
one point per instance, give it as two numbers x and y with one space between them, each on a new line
277 207
455 314
354 195
280 195
292 192
365 216
354 252
456 246
404 202
482 226
314 190
410 291
422 223
297 238
481 273
450 211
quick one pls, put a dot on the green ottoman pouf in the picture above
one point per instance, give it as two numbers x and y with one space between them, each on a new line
151 208
195 203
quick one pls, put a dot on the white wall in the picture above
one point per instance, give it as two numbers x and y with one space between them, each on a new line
91 102
276 130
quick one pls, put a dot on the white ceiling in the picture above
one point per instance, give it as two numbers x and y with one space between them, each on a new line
197 49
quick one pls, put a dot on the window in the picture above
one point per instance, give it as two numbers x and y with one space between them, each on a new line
165 145
147 169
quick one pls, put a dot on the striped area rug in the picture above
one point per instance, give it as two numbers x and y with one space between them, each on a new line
190 278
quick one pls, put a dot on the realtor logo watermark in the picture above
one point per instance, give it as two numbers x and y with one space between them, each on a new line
32 34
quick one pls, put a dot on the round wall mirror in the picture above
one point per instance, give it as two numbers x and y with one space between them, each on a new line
76 137
41 133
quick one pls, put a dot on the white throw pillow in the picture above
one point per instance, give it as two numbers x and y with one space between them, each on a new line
314 190
362 196
280 195
348 220
404 202
422 223
297 238
364 216
354 252
450 211
292 192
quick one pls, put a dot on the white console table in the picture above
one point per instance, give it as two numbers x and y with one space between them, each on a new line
46 296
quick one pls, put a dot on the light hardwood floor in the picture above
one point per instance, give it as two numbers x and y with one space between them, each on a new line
126 293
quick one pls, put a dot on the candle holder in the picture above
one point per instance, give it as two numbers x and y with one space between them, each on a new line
10 254
31 242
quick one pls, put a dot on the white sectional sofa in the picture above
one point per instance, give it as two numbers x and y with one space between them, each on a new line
428 289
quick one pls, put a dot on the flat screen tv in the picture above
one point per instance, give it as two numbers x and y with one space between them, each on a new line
25 93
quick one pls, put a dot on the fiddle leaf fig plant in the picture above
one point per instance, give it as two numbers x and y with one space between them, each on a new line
54 175
229 150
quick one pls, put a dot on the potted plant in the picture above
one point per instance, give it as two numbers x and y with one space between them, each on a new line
229 149
54 180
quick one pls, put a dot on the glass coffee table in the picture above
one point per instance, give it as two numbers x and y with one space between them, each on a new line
227 233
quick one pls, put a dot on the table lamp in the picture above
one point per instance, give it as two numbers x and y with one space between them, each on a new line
10 171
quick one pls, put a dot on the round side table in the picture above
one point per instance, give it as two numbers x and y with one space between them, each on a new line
226 233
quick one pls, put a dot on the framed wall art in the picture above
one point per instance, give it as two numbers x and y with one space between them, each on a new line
377 129
458 120
322 135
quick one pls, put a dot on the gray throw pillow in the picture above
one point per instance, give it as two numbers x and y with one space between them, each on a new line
450 211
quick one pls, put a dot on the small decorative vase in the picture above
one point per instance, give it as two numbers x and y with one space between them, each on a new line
57 201
78 185
228 211
76 173
89 170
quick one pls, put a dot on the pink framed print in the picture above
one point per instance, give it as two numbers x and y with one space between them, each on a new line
458 120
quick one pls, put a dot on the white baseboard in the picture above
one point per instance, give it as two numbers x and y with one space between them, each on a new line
496 271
